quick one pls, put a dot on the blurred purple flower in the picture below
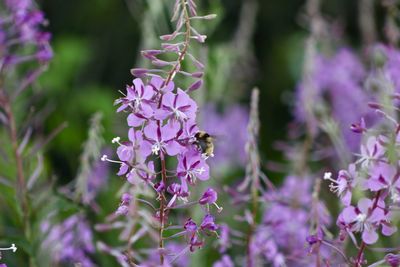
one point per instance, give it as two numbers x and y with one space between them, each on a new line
70 241
372 151
338 84
391 64
285 228
393 260
230 129
21 26
225 261
208 223
96 180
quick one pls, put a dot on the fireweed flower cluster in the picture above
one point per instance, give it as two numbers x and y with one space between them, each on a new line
281 236
69 242
376 174
162 121
21 38
388 57
338 93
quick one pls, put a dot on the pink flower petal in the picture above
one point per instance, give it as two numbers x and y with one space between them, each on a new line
369 236
364 204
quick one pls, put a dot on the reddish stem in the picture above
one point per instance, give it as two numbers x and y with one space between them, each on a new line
162 208
363 245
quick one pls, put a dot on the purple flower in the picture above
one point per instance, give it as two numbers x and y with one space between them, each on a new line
71 241
96 181
159 86
176 189
192 166
224 241
366 218
372 151
391 65
382 176
208 223
137 98
123 208
126 198
178 192
161 138
208 197
225 261
393 260
344 184
159 187
21 27
285 226
126 150
195 242
178 106
188 131
337 83
142 172
190 226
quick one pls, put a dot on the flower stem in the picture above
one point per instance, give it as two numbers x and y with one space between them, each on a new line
186 43
254 169
162 209
359 255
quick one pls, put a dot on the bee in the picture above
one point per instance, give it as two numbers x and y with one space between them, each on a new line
204 142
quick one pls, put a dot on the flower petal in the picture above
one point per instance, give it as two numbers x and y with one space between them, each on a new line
349 214
369 236
134 120
364 204
388 229
150 131
173 148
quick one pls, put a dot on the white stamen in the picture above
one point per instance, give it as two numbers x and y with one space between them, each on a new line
395 197
115 140
155 148
105 158
13 248
327 176
179 115
200 171
361 217
218 207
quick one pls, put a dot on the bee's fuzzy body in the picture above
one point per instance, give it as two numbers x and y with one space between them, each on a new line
204 142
